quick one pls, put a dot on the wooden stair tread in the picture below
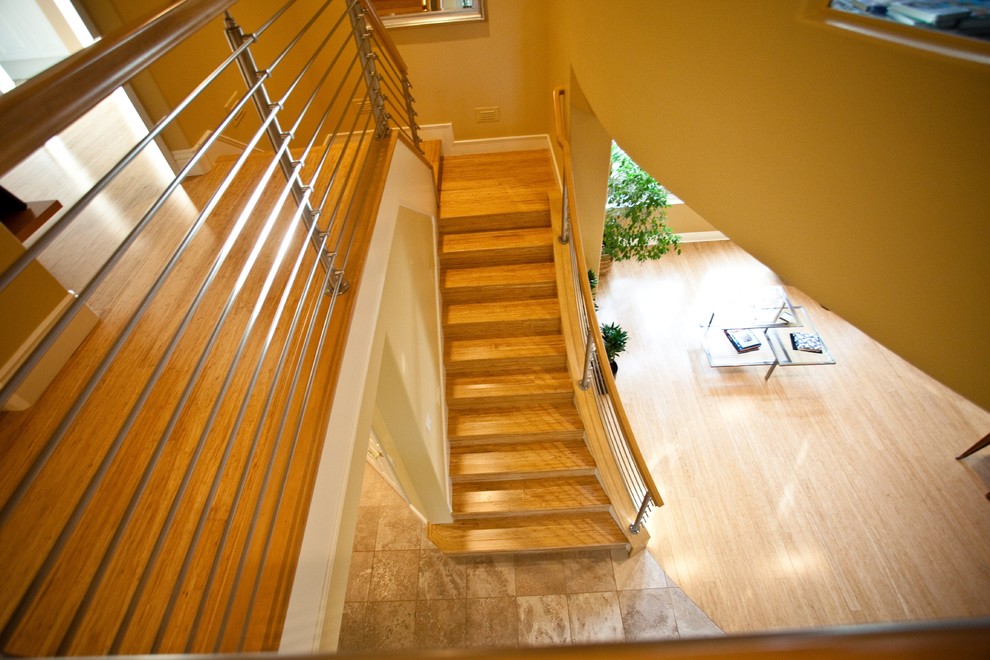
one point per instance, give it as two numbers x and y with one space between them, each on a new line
509 388
498 276
486 499
540 316
503 461
494 183
489 240
496 247
535 422
528 533
493 353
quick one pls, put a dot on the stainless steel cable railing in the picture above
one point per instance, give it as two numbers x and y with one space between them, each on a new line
626 457
234 324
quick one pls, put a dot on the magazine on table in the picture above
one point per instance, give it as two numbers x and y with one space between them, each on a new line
743 339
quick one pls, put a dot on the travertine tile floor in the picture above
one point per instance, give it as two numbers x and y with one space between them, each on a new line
403 593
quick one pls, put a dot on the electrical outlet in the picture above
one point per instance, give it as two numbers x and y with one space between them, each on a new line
487 115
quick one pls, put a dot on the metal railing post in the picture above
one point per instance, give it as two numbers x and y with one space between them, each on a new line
565 227
589 350
362 34
643 508
263 103
410 110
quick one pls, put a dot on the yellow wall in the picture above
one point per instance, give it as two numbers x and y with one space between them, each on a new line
683 219
499 62
855 169
168 81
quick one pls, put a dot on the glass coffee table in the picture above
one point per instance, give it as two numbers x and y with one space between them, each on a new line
762 327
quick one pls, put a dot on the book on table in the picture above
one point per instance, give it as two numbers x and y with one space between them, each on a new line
806 341
876 7
743 339
938 14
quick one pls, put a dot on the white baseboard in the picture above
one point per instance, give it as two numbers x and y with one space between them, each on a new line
452 147
703 236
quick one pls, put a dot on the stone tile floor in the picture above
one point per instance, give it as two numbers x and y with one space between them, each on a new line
403 593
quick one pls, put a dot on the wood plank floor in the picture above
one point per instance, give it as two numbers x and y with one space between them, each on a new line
177 530
826 495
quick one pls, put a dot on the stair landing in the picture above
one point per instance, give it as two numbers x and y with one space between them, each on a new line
506 189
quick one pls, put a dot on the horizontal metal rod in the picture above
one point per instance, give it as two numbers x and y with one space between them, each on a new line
90 287
238 576
50 102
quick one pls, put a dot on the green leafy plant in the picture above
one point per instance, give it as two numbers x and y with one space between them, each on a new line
593 281
614 338
636 216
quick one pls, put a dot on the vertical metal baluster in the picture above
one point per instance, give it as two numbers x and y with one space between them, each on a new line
362 33
643 508
263 104
589 351
411 111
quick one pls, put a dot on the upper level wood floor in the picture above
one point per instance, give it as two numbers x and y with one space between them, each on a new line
164 515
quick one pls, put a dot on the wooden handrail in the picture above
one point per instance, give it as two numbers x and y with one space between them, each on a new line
588 301
967 639
378 28
48 103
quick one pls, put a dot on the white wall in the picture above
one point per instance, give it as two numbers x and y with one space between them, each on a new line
315 605
410 387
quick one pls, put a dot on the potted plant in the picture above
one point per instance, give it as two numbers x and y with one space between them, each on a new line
614 338
635 215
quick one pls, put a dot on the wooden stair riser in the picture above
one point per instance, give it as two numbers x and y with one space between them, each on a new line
476 500
500 391
543 510
496 256
504 365
485 329
496 248
531 424
504 462
508 402
507 293
516 438
528 534
494 222
496 319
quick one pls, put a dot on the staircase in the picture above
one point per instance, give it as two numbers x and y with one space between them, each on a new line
522 476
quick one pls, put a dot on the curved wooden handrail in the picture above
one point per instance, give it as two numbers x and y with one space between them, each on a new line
378 28
587 300
48 103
